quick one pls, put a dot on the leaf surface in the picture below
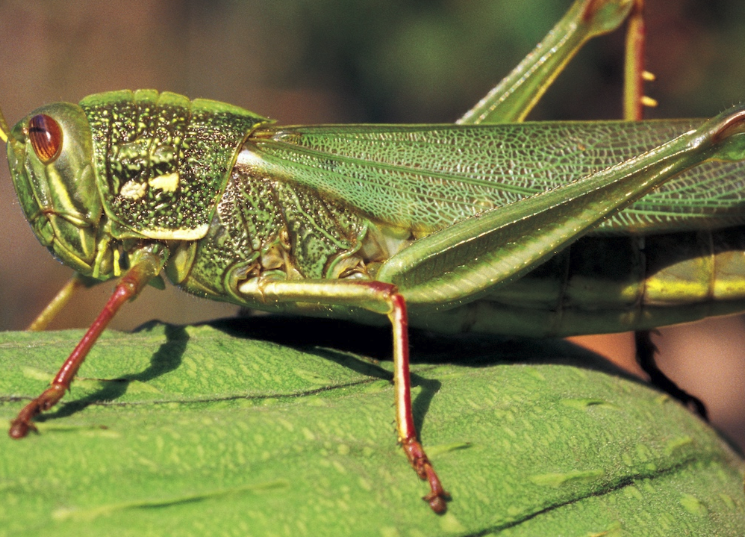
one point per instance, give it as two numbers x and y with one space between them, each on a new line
286 428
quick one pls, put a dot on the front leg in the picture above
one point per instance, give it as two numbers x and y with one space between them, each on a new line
61 299
146 265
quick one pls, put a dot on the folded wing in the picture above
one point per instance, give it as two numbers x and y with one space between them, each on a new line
427 177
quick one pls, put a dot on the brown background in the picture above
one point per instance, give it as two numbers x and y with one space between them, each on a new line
367 61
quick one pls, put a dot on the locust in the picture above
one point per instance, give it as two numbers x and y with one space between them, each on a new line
491 225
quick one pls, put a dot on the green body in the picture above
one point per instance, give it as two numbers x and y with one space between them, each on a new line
235 202
508 227
672 257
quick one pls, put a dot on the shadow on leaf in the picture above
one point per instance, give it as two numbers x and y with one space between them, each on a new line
167 358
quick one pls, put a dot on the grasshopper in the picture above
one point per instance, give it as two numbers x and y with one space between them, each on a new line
491 225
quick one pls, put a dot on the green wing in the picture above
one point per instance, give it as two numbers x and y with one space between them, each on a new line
427 177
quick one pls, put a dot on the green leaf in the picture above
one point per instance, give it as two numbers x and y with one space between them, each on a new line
285 427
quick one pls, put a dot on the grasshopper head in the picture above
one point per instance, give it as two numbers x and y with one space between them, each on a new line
50 154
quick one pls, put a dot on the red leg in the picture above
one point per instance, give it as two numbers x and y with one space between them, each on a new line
634 99
128 287
382 298
404 416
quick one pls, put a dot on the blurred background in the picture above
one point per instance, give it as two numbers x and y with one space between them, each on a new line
332 61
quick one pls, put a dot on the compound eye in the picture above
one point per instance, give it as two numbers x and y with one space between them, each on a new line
46 137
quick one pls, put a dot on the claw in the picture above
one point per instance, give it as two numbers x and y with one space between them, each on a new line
437 496
20 426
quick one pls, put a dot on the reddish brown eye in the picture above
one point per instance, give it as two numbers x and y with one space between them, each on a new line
46 137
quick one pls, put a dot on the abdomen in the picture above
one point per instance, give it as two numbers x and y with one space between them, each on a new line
613 284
